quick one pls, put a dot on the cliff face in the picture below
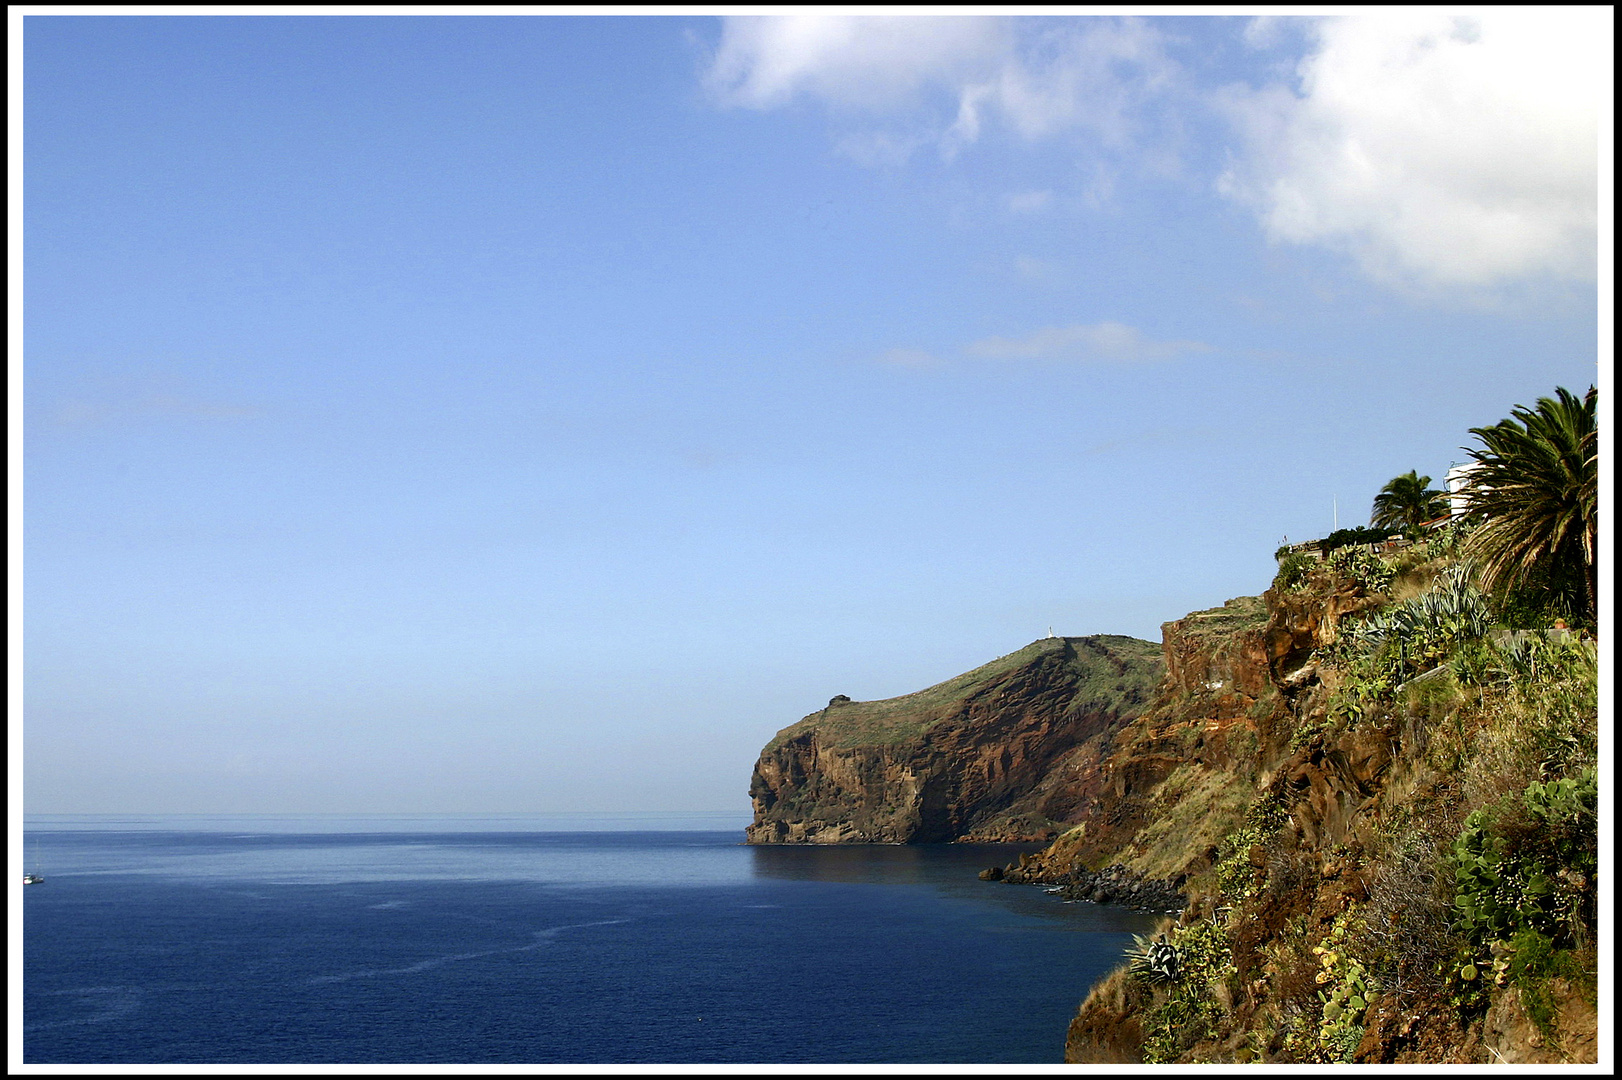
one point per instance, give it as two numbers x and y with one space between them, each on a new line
1371 816
1307 822
994 754
1178 777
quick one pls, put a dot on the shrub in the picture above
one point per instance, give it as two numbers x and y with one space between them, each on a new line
1568 799
1330 1028
1445 541
1348 990
1293 571
1475 663
1548 691
1190 1011
1235 876
1433 701
1527 865
1541 599
1528 961
1366 570
1533 658
1359 535
1406 929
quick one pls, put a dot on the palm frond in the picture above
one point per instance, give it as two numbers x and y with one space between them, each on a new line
1535 495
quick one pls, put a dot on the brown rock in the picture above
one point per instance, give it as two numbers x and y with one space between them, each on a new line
970 758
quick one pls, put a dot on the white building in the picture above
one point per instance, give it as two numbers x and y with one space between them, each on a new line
1458 478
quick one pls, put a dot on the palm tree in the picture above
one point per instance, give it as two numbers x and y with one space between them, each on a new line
1407 502
1535 497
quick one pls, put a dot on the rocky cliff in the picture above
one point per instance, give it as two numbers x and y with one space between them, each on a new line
1368 811
1383 849
992 755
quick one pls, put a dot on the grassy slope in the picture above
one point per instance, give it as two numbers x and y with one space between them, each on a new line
1240 613
900 719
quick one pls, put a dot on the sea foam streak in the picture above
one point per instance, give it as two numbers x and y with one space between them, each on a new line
542 937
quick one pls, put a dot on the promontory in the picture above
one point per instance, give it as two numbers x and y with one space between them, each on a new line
991 755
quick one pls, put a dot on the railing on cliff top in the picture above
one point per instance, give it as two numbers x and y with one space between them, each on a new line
1388 546
1317 548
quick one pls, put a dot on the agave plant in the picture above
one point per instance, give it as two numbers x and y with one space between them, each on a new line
1417 633
1453 610
1533 658
1154 961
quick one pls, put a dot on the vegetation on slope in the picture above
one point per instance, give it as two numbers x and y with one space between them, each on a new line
1240 613
1397 911
1405 869
1103 679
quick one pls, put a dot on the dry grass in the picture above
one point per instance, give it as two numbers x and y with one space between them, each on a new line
1404 930
1414 575
1297 983
1503 761
1106 1028
1194 808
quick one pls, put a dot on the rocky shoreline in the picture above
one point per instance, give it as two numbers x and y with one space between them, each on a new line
1114 884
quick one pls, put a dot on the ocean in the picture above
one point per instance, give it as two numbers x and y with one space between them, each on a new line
637 941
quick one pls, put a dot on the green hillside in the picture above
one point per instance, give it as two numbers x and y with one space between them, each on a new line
1110 669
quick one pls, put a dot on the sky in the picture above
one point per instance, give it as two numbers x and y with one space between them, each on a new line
534 414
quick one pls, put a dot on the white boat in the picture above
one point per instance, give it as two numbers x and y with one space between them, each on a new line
34 878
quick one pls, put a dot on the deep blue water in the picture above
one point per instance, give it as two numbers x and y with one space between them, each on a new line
544 947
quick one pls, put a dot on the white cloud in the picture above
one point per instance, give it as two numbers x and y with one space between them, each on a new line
878 149
1264 31
954 74
1099 341
1090 73
1436 149
860 61
1275 31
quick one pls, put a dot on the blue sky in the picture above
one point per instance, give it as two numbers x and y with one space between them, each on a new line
534 414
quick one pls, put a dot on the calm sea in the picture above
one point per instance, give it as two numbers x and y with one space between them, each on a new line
432 940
